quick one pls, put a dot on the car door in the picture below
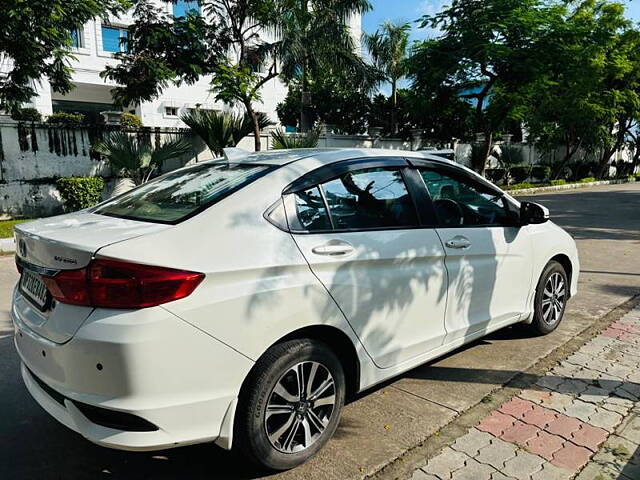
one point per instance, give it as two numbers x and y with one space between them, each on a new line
488 256
360 231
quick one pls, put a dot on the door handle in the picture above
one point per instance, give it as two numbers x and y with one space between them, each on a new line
334 249
459 243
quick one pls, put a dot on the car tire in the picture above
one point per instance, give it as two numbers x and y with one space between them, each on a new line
552 293
279 427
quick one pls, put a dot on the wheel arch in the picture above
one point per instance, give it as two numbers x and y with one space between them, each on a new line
342 346
565 261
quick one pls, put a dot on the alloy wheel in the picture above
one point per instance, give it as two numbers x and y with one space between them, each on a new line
300 407
553 298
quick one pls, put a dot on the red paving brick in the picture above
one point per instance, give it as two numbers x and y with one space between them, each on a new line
611 333
540 416
545 445
589 436
564 426
496 423
519 433
517 407
539 394
571 457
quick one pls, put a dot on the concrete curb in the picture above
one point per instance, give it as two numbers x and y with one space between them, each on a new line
7 246
569 186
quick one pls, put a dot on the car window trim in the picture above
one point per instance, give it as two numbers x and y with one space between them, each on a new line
473 181
334 171
326 173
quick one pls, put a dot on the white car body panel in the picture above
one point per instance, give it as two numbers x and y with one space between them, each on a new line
392 291
489 281
181 365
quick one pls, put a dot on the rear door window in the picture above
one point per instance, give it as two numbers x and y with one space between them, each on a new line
370 199
179 195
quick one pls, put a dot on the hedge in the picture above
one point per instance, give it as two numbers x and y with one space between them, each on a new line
130 120
28 114
65 118
80 192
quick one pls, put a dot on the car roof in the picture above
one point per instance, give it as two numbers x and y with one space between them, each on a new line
326 156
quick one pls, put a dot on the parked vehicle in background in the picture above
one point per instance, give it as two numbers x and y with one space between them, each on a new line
240 301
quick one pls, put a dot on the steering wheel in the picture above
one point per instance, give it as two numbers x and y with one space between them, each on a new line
449 212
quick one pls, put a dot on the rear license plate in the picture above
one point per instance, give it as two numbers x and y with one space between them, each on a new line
33 287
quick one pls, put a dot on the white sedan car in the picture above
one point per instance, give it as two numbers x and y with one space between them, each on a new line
240 301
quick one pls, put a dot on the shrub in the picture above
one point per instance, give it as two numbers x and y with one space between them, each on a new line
519 186
80 192
495 175
520 174
556 183
282 141
587 180
26 115
65 118
541 172
136 158
130 120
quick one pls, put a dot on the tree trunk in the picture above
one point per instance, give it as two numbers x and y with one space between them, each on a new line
394 107
604 162
256 125
568 155
305 100
488 146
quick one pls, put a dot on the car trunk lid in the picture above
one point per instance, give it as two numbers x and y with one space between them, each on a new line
66 242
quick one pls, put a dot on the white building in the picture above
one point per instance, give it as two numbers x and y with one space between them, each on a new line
95 44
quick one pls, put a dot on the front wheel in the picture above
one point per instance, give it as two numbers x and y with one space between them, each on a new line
551 298
291 405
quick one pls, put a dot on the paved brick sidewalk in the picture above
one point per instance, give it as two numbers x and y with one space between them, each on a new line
581 420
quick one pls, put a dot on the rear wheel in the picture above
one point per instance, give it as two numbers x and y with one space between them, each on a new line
291 404
552 294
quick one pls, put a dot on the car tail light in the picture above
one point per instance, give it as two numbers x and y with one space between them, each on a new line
117 284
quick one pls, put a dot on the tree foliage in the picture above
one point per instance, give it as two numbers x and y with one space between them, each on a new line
388 48
221 130
488 52
35 40
314 38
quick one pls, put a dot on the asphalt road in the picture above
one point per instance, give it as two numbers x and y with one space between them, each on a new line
381 424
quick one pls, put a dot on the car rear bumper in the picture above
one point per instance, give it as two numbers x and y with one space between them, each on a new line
135 380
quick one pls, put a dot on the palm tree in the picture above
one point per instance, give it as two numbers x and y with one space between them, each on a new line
221 130
388 49
282 141
315 35
135 158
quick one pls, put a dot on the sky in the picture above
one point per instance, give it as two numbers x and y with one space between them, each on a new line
411 10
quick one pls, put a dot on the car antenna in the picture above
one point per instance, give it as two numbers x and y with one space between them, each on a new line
233 154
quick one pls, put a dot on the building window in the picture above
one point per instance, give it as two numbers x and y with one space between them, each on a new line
171 111
77 38
182 7
114 39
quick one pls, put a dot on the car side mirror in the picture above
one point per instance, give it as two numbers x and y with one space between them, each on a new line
533 213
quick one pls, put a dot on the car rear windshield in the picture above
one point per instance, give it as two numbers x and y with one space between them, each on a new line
182 194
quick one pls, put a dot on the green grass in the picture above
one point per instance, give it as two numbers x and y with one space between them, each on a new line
6 227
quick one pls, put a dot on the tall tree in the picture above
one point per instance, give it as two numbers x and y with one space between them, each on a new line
587 98
35 42
487 52
315 35
388 48
227 41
